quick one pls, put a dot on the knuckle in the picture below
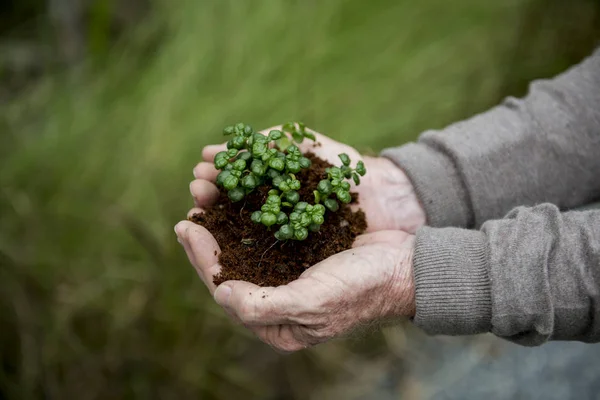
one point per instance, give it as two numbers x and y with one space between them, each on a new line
288 346
321 334
248 312
245 315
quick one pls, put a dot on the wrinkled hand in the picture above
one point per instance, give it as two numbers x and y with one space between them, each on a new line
385 193
369 283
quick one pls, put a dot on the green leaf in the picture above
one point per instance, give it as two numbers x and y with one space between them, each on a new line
335 173
257 167
356 179
239 165
244 155
221 177
360 168
282 218
318 219
275 134
268 219
228 130
248 130
277 164
289 127
301 234
295 184
346 171
305 163
345 159
310 136
294 153
278 180
301 206
283 186
273 199
344 196
293 166
239 127
260 138
345 185
221 160
272 173
325 187
236 194
232 153
317 196
237 142
319 209
255 217
259 149
292 196
285 232
283 143
230 182
298 138
249 182
331 204
305 219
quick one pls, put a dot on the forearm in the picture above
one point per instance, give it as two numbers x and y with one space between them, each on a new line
543 148
531 277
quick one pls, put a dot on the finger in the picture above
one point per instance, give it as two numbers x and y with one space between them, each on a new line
204 192
206 171
209 152
194 211
255 305
203 248
279 337
390 237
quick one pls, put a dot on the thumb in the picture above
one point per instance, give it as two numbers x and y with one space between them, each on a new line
255 305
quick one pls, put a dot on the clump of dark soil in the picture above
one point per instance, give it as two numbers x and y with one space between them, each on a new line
250 252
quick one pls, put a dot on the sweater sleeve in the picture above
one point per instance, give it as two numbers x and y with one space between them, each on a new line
542 148
531 277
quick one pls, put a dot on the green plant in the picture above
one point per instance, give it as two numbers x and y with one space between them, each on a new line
336 183
253 159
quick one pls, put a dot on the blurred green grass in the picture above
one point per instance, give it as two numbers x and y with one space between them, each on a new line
96 298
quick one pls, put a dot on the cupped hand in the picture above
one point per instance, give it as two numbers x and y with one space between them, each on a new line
369 283
385 192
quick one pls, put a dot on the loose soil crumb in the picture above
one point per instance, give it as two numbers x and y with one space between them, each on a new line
250 252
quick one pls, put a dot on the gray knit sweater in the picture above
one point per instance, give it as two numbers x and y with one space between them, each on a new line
531 274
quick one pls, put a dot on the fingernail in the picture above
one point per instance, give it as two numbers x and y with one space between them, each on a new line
179 229
194 172
222 295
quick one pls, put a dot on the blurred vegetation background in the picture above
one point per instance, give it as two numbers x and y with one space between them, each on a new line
105 106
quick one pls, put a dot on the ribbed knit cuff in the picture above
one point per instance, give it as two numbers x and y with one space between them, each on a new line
436 182
453 291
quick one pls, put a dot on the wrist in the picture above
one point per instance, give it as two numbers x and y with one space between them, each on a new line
437 183
400 295
396 195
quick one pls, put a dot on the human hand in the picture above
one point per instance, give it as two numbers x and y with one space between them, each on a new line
361 286
386 194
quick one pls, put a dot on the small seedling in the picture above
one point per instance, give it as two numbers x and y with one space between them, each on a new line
337 184
253 160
